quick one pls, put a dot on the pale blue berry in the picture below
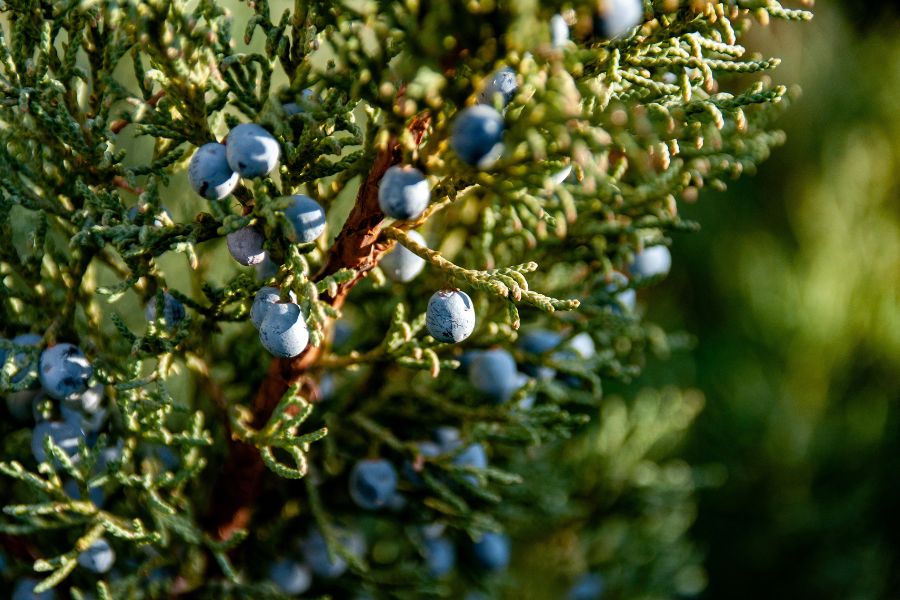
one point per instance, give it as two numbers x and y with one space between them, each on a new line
67 436
307 219
283 331
24 590
477 135
559 31
440 556
492 551
621 293
403 193
209 173
98 558
401 264
64 371
654 261
372 483
450 316
173 310
618 17
251 151
472 456
589 586
95 493
266 269
583 345
23 366
265 298
291 577
246 246
502 83
494 373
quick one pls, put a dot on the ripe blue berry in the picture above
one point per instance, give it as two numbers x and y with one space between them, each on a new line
424 449
95 493
209 173
652 262
589 586
623 296
559 31
24 590
251 151
291 577
99 557
403 193
246 246
618 17
448 438
492 551
65 435
450 316
440 556
266 269
315 550
173 310
372 483
283 331
64 371
477 135
561 175
494 373
307 218
538 342
265 298
473 456
401 264
503 82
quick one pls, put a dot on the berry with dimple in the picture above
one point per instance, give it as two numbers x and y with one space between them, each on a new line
251 150
403 193
173 310
99 557
494 373
621 293
307 219
24 590
265 298
477 135
209 173
401 264
64 371
372 483
246 246
502 83
283 331
290 576
654 261
559 31
491 552
618 17
450 316
589 586
440 556
65 435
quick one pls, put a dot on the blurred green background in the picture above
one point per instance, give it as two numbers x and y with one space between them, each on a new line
791 289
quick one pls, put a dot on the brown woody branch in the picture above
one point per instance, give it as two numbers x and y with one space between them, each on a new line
356 247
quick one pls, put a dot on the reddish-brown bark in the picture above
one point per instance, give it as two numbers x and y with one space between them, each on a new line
356 247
